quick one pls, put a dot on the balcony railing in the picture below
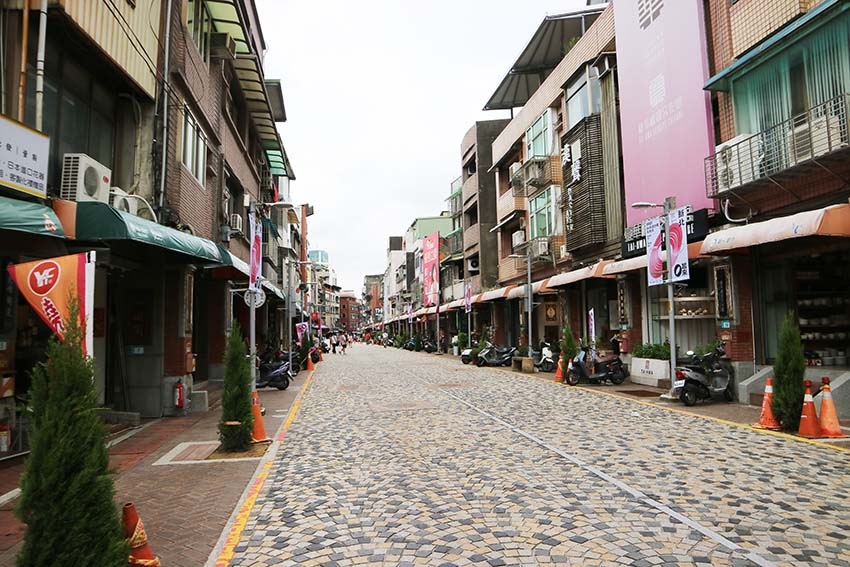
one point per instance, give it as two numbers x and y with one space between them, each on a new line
748 159
455 243
541 171
475 283
510 268
508 203
471 236
453 291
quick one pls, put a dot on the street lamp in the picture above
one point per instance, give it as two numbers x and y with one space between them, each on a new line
529 304
668 206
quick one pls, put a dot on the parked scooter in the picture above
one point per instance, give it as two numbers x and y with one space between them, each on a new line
429 346
543 358
492 355
704 378
274 375
607 368
466 355
410 344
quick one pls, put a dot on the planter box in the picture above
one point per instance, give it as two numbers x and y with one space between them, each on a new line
650 372
523 364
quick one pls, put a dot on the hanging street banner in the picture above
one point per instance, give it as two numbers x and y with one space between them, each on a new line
678 256
301 329
255 276
591 326
654 245
431 270
48 285
467 296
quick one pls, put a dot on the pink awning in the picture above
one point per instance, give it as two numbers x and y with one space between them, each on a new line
639 262
494 294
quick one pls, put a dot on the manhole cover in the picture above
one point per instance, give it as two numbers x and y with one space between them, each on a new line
640 393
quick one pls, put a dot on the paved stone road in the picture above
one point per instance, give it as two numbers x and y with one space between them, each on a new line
399 458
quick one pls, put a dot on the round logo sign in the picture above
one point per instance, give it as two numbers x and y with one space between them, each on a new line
255 298
43 277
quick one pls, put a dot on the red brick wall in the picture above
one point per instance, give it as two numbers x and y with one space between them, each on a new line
176 346
741 345
217 322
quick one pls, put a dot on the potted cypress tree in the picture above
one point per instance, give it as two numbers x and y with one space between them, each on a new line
788 374
67 495
237 421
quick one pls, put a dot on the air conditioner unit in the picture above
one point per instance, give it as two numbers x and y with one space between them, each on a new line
222 45
815 138
236 222
84 179
514 169
123 202
539 247
535 172
518 238
737 162
472 265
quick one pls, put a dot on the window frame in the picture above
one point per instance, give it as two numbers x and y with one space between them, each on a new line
541 204
193 147
542 126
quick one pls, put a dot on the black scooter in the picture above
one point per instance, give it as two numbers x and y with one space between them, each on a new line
429 346
609 368
492 355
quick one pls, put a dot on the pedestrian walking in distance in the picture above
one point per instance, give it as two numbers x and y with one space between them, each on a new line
343 342
334 342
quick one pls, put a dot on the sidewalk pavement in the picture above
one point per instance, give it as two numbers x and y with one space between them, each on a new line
184 506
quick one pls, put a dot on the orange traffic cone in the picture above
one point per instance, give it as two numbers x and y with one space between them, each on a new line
829 425
767 420
134 533
809 426
321 358
559 373
310 366
258 432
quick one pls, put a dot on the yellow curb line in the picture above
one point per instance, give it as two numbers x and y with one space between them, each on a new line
685 412
229 548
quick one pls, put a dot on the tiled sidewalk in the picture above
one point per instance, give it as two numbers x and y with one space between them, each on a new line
184 506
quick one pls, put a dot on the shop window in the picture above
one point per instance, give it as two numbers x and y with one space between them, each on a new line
199 24
541 214
584 96
193 146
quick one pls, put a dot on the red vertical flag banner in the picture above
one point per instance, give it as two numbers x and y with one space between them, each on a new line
256 276
431 269
48 286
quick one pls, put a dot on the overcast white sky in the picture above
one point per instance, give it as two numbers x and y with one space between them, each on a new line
378 95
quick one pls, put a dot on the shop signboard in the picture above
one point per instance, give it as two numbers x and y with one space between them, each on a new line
634 239
665 114
655 238
23 158
255 277
431 269
591 325
467 296
677 256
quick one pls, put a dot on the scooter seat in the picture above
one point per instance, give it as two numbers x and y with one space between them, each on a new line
606 358
503 350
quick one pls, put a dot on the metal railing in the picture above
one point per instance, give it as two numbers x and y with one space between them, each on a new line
819 131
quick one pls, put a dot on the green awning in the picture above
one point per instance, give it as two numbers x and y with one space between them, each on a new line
99 221
775 43
23 216
228 259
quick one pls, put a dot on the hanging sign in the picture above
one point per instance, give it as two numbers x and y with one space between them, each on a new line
678 253
23 158
591 325
255 277
467 296
654 242
48 286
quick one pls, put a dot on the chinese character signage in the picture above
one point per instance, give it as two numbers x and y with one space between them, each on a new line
634 243
677 256
23 158
654 244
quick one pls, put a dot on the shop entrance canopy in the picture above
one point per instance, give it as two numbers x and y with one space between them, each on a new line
96 221
23 216
830 221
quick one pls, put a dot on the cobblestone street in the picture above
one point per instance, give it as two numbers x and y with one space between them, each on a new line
400 458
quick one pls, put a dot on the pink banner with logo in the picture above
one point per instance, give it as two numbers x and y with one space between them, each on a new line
431 269
665 113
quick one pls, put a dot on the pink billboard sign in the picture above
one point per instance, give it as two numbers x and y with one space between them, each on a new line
431 269
664 112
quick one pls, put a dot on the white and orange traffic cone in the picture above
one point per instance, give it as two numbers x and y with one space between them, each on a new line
829 426
559 373
134 532
258 431
767 420
809 425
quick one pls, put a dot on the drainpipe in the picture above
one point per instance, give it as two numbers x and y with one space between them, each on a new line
22 81
164 109
39 66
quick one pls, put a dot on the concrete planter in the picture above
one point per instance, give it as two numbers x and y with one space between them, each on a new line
523 364
650 372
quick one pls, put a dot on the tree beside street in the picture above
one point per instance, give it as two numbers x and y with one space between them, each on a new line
568 348
237 421
788 374
67 494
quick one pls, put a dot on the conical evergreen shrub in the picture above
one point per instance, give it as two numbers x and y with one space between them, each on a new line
67 494
568 344
236 396
788 373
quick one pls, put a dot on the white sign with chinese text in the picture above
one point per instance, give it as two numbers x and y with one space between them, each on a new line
24 155
654 245
678 255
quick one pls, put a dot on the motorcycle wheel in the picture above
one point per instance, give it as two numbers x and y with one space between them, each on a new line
547 366
480 362
689 395
283 384
465 359
618 377
572 378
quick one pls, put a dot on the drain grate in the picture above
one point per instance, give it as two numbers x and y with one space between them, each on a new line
640 393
